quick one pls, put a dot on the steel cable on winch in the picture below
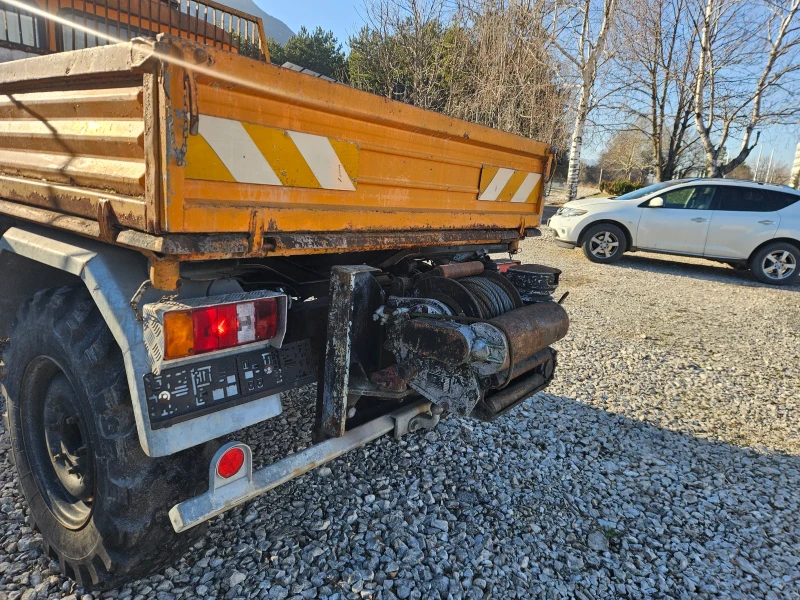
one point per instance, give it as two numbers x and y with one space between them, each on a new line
492 299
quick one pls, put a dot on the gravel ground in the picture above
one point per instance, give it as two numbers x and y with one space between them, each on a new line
663 462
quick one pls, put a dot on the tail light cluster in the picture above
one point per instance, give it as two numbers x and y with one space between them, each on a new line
210 328
178 330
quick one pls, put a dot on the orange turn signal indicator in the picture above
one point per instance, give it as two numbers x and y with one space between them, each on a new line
178 334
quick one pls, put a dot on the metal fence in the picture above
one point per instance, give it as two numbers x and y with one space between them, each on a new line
206 22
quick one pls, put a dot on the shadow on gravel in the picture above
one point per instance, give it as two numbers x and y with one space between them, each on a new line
556 500
671 265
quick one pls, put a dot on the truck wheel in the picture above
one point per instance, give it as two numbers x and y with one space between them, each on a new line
604 243
776 264
99 502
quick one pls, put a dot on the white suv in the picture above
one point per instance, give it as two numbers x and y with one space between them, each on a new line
743 223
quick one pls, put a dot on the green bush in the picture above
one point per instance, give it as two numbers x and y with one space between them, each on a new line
619 187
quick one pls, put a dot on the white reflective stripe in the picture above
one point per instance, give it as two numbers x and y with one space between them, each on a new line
496 186
237 151
527 187
246 315
323 161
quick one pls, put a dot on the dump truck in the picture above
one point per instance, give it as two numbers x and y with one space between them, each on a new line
188 231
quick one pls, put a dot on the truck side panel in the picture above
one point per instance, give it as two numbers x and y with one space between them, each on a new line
176 155
70 150
308 155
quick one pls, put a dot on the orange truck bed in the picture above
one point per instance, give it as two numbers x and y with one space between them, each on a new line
210 154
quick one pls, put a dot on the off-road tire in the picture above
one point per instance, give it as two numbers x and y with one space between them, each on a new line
758 258
60 334
588 245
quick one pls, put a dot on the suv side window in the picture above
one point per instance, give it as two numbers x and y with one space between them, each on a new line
751 199
697 197
784 200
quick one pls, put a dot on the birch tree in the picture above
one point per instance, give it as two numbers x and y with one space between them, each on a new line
580 31
748 74
656 59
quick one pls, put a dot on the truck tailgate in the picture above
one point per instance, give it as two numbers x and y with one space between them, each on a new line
308 155
211 143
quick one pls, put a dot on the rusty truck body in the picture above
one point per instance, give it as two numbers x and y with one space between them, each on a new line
187 230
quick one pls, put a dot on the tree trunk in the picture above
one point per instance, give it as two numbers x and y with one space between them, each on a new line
574 171
712 164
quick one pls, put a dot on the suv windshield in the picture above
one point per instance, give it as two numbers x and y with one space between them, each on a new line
646 191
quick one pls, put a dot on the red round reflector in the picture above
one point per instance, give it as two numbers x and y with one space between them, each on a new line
230 462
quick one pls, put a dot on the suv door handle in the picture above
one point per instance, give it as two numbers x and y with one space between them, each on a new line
767 222
699 220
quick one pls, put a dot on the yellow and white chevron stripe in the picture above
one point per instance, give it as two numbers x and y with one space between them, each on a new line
229 150
508 185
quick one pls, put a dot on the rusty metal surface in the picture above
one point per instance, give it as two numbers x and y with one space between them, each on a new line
532 328
349 302
523 366
417 170
456 270
112 124
196 247
76 151
70 200
307 243
513 393
395 378
50 218
442 341
528 382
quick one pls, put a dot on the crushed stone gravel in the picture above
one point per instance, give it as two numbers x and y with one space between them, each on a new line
663 462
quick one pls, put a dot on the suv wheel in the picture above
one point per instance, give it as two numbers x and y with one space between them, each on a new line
604 243
776 264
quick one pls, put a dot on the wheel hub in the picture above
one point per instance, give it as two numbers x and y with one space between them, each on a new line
58 446
779 265
68 453
604 244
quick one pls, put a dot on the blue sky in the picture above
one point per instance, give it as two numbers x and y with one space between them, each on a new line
345 17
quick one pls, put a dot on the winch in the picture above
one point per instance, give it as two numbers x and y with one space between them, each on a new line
473 337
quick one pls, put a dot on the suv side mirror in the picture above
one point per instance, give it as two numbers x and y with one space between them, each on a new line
656 202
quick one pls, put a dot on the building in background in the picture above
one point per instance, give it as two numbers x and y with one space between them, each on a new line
796 169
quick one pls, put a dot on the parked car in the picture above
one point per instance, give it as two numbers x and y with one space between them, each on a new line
747 224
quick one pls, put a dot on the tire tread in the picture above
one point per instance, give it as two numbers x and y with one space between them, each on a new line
131 511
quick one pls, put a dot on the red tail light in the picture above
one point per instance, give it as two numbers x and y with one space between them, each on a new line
219 327
266 319
205 330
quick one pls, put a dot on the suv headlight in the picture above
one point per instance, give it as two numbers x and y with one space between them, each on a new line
570 212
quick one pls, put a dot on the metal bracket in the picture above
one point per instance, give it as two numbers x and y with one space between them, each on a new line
349 292
137 299
190 87
405 422
217 500
106 220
